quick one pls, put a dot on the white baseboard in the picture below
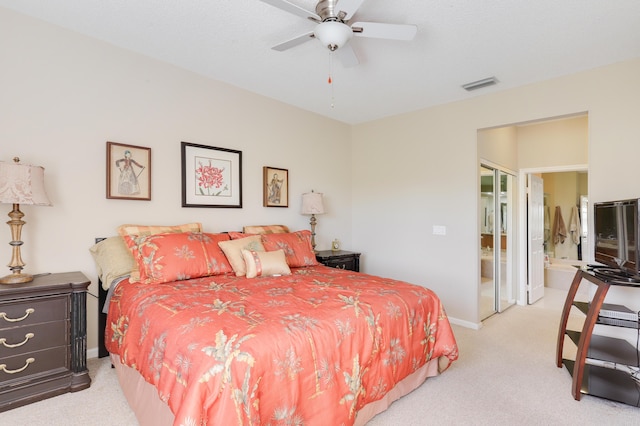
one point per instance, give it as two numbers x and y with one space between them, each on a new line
92 353
466 324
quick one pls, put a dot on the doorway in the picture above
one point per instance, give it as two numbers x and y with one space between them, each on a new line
565 192
497 249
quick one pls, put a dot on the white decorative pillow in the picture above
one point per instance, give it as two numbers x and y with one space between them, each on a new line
233 250
265 263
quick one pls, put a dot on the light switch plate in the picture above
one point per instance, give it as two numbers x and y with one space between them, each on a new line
439 230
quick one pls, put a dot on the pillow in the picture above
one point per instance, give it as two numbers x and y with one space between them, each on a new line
125 230
265 263
158 229
113 260
265 229
233 250
237 235
296 245
178 256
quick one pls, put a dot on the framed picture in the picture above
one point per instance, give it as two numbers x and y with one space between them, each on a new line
128 172
275 187
211 177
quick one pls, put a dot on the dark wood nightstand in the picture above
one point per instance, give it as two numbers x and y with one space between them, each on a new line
340 259
43 338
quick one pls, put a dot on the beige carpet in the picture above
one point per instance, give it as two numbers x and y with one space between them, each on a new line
506 375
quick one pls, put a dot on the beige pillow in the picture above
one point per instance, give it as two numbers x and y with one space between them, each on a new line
233 250
113 260
158 229
265 263
265 229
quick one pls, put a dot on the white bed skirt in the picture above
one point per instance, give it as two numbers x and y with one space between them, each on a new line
151 411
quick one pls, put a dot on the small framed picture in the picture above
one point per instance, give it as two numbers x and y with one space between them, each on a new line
275 187
211 176
128 172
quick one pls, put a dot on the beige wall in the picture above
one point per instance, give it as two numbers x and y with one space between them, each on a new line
499 146
554 143
418 170
63 96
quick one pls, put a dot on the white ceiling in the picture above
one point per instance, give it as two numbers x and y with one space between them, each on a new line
517 41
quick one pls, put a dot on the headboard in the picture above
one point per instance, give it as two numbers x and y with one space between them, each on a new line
102 317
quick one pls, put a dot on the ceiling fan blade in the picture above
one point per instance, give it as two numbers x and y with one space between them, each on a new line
348 7
388 31
347 56
293 42
292 8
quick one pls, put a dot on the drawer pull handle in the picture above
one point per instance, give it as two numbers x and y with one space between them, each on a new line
3 367
28 312
27 336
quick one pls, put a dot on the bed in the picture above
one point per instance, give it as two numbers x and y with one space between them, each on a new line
284 341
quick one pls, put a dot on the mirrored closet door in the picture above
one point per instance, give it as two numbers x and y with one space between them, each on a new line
497 242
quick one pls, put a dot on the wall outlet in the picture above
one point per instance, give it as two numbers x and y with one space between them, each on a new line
439 230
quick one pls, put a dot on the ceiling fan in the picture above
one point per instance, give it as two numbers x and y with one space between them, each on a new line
335 27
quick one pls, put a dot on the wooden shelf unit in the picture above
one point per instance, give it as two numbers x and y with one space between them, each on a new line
591 379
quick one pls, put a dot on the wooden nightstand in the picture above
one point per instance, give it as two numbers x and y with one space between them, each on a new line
340 259
43 338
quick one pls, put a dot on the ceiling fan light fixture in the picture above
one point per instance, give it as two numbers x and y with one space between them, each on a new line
333 34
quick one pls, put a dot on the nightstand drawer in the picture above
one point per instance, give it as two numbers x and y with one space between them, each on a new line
20 366
340 259
33 311
30 338
348 263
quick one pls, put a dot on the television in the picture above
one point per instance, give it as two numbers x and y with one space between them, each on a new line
617 242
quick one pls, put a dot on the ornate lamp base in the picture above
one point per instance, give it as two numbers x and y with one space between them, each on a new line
16 265
16 278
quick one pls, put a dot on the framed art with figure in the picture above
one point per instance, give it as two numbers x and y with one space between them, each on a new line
128 172
211 176
275 187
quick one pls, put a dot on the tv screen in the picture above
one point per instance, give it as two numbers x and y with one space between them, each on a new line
616 235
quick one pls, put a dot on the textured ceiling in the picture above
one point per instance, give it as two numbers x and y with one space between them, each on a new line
517 41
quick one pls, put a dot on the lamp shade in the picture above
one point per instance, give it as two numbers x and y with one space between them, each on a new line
22 184
312 203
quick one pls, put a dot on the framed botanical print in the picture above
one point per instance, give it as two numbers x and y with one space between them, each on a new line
128 172
275 187
211 176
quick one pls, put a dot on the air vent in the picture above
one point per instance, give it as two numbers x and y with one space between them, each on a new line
474 85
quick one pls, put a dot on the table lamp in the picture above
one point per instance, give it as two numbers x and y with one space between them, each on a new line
312 204
20 184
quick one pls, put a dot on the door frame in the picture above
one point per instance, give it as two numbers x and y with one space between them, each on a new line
523 258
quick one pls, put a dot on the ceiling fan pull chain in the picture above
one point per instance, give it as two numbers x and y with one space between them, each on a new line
330 79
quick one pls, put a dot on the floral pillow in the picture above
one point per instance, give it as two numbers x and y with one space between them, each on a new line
265 263
296 246
178 256
141 230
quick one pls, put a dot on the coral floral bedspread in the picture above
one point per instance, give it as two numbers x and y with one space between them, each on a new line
309 348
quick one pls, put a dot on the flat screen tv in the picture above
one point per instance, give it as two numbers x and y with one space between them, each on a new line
616 235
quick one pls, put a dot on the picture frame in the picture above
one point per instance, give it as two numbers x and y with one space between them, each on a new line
128 172
211 176
275 187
